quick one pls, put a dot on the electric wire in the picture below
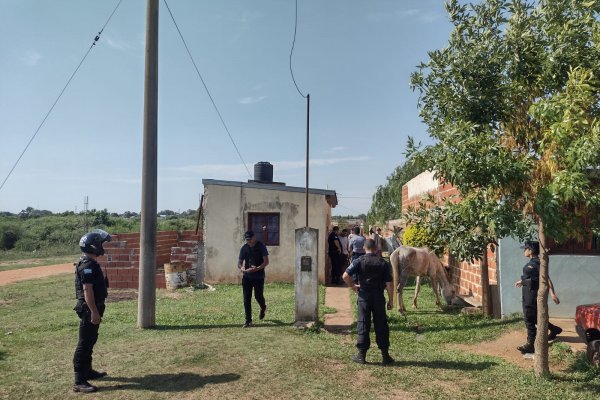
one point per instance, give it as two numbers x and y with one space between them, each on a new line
292 51
207 91
59 96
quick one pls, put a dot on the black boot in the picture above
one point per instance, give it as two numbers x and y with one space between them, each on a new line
386 358
81 385
360 357
93 374
527 347
554 332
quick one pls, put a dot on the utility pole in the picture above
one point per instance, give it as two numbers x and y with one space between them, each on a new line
85 210
147 283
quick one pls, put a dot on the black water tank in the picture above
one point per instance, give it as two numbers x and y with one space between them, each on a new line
263 172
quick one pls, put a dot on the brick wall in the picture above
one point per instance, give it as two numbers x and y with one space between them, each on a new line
465 276
122 256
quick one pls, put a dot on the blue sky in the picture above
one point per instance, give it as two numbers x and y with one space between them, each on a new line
354 57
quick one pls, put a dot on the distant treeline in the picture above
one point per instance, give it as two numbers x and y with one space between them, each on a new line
40 233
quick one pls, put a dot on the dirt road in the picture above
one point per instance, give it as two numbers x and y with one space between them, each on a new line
22 274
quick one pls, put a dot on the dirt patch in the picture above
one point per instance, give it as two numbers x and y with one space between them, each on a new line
117 295
16 275
506 345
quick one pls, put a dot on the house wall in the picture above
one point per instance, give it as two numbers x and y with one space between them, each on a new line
576 280
226 210
466 276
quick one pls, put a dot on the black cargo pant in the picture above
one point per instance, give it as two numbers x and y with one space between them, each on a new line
372 302
336 266
247 286
530 314
88 335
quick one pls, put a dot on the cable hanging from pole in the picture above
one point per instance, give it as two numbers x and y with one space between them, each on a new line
292 51
60 95
207 91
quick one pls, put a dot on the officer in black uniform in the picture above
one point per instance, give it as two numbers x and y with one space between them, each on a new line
91 291
530 282
374 274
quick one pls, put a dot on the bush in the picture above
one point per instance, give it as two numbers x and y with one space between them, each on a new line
415 236
9 235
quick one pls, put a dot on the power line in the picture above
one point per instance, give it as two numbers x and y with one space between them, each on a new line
60 94
292 50
207 91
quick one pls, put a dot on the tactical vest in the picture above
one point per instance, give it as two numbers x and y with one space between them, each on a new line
99 284
371 272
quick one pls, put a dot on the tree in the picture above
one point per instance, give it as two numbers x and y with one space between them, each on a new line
512 101
387 200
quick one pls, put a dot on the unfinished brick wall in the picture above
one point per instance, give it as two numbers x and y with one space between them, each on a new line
465 276
122 256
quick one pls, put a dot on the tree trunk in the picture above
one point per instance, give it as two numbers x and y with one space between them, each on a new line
540 364
486 299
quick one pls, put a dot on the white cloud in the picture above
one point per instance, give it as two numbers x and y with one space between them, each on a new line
31 58
251 100
333 150
117 44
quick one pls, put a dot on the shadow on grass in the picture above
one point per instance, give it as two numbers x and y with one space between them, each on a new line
3 355
264 324
400 325
582 374
442 364
182 382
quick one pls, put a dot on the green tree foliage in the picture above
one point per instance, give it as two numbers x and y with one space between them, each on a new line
387 200
40 234
512 101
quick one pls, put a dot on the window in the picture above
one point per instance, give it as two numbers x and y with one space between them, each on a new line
265 227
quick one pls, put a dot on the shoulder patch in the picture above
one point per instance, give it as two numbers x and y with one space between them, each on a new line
87 271
530 266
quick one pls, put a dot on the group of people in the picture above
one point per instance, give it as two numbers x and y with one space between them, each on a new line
368 274
345 246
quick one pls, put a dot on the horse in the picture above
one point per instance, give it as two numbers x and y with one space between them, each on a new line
415 261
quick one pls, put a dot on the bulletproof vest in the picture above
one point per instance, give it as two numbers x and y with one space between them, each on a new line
100 286
531 275
371 272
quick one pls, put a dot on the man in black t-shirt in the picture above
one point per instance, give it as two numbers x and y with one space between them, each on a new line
252 261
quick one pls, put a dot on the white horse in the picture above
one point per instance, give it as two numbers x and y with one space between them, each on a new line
414 261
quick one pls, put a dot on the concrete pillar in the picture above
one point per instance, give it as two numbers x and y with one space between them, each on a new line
307 278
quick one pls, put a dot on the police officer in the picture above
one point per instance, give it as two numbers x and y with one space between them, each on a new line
374 274
253 259
91 291
530 282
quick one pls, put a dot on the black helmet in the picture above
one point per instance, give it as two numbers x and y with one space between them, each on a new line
92 241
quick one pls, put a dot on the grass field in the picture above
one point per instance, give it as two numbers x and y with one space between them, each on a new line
198 350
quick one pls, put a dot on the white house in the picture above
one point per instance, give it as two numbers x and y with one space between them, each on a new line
273 211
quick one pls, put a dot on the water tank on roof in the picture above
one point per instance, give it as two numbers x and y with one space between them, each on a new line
263 172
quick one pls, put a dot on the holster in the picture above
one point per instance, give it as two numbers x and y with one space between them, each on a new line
81 309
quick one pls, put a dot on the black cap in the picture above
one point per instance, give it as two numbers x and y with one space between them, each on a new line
248 235
532 245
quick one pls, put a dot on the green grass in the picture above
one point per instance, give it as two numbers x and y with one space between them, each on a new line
6 265
198 350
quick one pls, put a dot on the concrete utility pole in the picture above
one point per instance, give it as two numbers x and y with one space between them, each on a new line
147 283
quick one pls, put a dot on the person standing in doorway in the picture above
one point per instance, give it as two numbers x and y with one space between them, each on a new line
252 261
335 254
356 243
91 289
529 283
374 275
344 241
